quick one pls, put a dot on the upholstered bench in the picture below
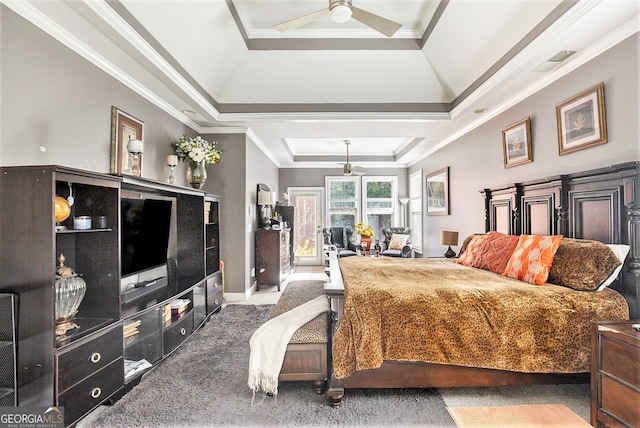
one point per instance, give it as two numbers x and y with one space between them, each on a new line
306 356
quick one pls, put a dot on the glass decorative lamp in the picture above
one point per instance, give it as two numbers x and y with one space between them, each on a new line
135 148
449 238
70 289
172 161
265 200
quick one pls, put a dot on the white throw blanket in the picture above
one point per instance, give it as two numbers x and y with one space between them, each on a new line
269 344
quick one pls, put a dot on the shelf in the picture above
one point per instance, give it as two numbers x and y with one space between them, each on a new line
86 327
62 232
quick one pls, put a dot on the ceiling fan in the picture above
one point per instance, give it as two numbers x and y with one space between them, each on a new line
341 11
347 169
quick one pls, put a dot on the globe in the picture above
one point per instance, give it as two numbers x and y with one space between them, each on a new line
63 209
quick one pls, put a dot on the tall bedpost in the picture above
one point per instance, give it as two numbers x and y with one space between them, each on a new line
632 275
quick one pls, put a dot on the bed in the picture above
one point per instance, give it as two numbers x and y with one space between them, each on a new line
383 336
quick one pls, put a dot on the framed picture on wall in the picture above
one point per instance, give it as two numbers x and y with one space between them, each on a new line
124 127
581 121
438 192
516 143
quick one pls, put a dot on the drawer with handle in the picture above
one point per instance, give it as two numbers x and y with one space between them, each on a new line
92 391
75 364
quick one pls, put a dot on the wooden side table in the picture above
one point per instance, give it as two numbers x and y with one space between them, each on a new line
615 374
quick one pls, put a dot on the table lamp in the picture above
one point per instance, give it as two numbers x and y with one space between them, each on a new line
449 238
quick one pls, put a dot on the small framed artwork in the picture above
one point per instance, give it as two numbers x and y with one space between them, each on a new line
124 127
438 192
516 142
581 121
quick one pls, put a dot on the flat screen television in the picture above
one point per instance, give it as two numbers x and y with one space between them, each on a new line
145 233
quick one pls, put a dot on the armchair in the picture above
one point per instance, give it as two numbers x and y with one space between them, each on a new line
339 239
405 251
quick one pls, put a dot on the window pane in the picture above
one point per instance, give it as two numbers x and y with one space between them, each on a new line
379 189
306 226
342 190
377 222
338 219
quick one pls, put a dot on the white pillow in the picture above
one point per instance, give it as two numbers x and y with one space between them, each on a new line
621 251
398 241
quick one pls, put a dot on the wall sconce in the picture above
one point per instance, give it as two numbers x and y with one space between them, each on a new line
449 238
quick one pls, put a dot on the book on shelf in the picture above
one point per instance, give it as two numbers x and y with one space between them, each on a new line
131 325
131 333
179 306
133 367
131 328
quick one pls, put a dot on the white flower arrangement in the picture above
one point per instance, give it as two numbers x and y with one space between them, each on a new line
196 150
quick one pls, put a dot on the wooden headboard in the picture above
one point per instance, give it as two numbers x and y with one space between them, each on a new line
601 204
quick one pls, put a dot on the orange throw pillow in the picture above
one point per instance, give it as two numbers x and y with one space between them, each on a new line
470 253
495 252
532 258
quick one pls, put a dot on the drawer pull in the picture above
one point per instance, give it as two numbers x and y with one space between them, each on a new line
95 392
183 331
95 357
215 301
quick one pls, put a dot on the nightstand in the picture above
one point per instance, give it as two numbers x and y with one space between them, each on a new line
615 374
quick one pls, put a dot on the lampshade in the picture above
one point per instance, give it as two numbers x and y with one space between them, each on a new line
264 197
404 201
134 146
341 13
448 238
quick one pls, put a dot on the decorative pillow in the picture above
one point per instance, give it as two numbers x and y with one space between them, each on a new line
621 251
398 241
582 264
465 244
532 258
494 252
472 249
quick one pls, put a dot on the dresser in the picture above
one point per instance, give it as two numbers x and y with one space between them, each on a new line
272 256
615 375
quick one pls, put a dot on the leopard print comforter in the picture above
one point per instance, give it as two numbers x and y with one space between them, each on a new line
437 311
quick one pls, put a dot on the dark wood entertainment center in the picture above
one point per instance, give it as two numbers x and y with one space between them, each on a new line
117 323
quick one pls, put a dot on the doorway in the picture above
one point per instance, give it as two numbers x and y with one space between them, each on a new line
308 203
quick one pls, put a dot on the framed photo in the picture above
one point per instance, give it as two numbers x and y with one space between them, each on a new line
581 121
124 127
438 192
516 142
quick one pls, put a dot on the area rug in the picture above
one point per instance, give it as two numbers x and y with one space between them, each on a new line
523 416
204 384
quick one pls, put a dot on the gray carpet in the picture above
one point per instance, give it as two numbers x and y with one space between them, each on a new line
204 384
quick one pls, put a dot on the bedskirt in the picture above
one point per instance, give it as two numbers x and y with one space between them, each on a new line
437 311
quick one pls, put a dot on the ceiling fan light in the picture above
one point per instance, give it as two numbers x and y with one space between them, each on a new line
341 12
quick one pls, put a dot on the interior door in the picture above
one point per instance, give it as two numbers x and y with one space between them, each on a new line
308 205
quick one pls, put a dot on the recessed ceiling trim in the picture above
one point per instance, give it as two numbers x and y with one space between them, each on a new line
340 158
338 43
520 49
232 108
300 44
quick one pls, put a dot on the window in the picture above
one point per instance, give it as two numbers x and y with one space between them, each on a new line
380 203
343 195
415 209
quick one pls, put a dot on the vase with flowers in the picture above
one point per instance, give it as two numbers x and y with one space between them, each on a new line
197 152
365 232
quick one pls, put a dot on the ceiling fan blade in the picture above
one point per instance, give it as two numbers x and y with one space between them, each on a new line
301 20
378 23
356 170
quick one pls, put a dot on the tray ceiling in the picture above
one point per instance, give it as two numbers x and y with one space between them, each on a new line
301 93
